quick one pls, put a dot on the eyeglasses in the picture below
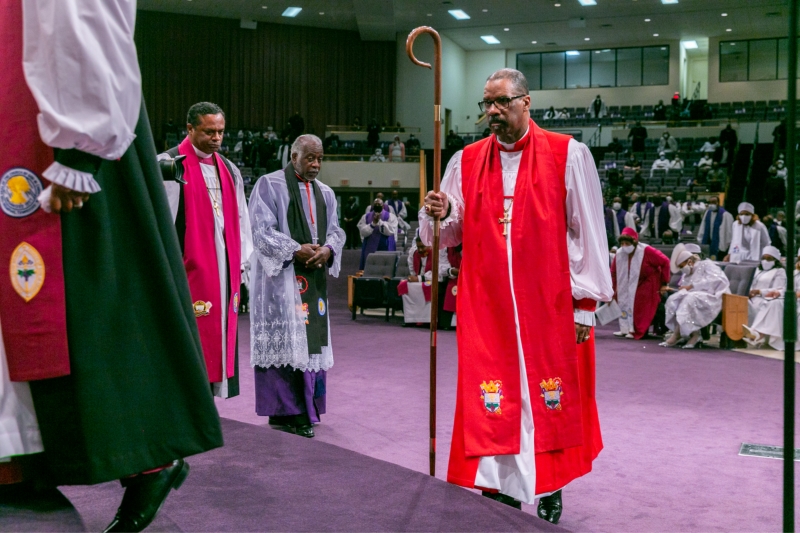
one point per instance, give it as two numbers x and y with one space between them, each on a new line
500 103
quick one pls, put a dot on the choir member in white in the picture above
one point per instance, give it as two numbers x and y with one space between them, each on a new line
749 236
698 300
416 308
717 236
766 323
768 283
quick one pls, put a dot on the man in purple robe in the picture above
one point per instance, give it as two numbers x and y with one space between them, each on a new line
378 229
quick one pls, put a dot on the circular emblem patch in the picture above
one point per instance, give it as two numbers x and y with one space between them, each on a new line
302 284
455 290
19 192
27 271
321 307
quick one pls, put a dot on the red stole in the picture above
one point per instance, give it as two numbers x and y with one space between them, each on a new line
32 302
487 340
402 287
200 260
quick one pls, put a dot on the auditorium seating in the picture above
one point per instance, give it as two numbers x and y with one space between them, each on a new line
370 289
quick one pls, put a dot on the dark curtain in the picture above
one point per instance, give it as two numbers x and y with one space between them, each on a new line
262 77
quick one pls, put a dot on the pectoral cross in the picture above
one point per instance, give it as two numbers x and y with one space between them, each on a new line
506 220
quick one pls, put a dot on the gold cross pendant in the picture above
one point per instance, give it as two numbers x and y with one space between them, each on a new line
506 220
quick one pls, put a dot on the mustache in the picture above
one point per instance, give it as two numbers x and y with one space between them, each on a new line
497 120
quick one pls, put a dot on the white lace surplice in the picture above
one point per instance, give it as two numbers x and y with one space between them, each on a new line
689 311
277 321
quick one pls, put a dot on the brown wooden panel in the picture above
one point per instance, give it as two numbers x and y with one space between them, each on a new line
734 314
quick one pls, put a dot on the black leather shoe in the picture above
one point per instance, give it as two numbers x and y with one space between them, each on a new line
305 430
550 507
502 498
144 496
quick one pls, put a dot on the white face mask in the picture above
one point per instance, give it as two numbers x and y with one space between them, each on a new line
669 198
713 207
687 269
767 265
628 248
616 206
745 219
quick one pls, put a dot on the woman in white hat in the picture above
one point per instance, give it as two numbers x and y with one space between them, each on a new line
749 236
767 325
698 300
769 282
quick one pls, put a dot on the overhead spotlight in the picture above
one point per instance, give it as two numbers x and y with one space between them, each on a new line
556 5
729 29
669 1
321 12
647 20
490 39
430 14
291 12
585 38
533 42
724 14
458 14
690 45
573 53
506 29
587 2
263 7
655 35
485 10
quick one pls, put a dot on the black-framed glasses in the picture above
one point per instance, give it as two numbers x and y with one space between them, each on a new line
500 103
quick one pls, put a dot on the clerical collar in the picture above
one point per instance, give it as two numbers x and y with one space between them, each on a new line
200 154
513 147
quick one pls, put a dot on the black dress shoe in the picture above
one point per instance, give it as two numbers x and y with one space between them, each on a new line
550 507
502 498
306 430
144 496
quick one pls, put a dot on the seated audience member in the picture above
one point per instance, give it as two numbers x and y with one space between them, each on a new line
416 291
667 143
453 140
397 151
615 146
777 233
660 111
717 173
778 170
377 157
449 307
768 282
632 163
412 145
618 219
550 114
710 146
640 274
716 229
698 300
378 229
767 324
661 163
676 164
704 165
749 236
563 114
692 211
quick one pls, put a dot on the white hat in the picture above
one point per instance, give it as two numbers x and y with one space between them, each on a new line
673 259
694 248
683 256
746 206
771 250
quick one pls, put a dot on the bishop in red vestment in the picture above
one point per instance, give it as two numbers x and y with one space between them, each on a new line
529 201
640 274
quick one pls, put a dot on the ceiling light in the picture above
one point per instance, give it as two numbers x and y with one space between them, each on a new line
291 11
690 45
430 14
669 1
587 2
321 12
490 39
557 5
724 14
533 42
585 38
729 29
647 20
655 35
506 29
573 53
597 51
458 14
263 7
485 10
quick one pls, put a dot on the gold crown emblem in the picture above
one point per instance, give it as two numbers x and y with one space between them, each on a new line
551 384
492 386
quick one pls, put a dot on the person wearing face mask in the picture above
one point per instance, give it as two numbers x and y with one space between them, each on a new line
697 302
640 275
716 229
642 208
667 143
618 219
749 236
661 163
766 327
692 211
769 282
416 290
777 233
378 229
778 170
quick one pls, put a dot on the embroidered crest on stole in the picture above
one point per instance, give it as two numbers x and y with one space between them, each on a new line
551 392
492 393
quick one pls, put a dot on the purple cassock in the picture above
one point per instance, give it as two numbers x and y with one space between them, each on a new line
287 392
377 242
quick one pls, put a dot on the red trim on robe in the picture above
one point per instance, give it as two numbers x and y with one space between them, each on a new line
654 273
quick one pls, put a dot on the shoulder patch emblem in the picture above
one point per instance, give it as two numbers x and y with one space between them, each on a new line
492 393
27 271
201 308
551 392
321 307
19 192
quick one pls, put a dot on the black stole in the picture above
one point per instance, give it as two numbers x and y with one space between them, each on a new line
312 282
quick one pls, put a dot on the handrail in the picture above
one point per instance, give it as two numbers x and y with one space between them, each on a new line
594 140
751 164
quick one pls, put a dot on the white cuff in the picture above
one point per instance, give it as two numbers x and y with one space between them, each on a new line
71 179
584 318
454 217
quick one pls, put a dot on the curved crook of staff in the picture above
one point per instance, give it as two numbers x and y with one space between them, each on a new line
437 172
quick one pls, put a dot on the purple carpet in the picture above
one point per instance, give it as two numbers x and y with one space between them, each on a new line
672 420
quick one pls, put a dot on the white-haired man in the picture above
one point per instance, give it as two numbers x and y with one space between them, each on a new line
298 242
210 212
518 367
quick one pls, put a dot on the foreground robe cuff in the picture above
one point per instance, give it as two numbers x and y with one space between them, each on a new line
453 215
584 311
71 178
